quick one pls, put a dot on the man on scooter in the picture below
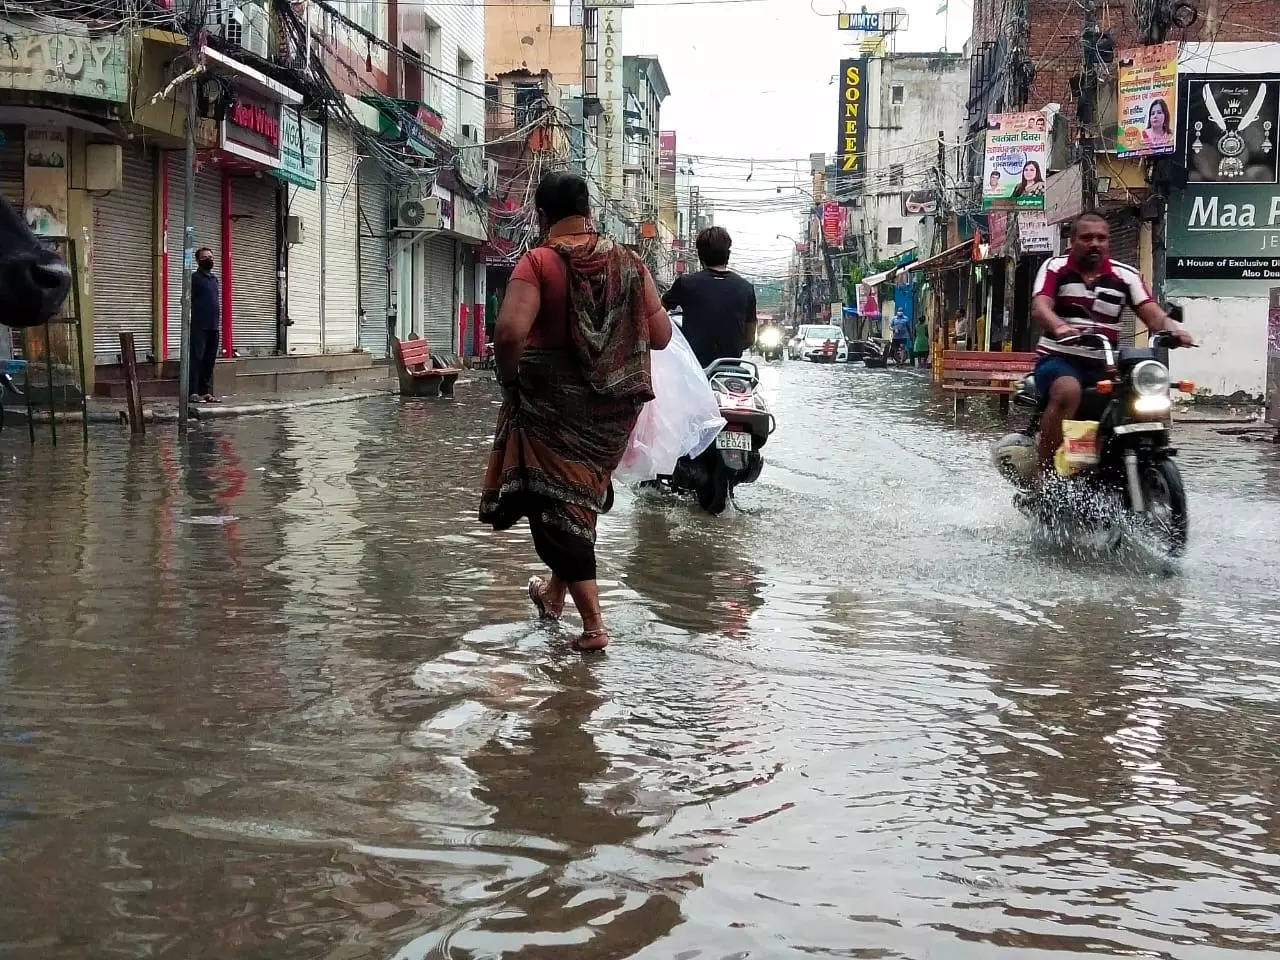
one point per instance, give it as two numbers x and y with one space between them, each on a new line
1084 292
719 306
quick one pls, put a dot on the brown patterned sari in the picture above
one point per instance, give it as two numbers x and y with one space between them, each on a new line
566 426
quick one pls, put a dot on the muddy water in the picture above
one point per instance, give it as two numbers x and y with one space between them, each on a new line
273 693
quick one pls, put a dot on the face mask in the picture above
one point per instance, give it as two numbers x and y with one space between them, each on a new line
206 264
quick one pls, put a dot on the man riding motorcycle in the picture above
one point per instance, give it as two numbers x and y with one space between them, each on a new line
719 306
1084 292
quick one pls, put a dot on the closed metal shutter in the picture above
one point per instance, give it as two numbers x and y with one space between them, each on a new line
469 297
253 262
304 273
438 325
207 233
1126 232
341 245
122 260
11 161
374 277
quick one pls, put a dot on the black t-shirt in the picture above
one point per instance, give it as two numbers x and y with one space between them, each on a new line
718 308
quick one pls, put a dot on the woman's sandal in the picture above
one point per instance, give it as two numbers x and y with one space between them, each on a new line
592 640
537 587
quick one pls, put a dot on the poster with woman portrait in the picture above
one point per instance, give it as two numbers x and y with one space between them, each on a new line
1013 177
1147 107
1230 136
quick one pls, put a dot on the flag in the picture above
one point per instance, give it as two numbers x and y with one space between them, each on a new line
942 6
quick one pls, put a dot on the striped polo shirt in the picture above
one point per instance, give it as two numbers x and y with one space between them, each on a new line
1089 309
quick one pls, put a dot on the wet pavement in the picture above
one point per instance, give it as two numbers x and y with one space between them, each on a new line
275 694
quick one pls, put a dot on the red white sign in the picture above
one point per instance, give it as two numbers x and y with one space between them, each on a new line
833 224
258 119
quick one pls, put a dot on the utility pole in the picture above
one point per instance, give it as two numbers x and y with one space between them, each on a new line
188 224
1087 108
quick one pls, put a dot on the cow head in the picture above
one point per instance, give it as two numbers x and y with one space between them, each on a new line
33 280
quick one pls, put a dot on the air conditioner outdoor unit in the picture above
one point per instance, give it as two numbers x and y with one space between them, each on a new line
416 214
245 23
469 133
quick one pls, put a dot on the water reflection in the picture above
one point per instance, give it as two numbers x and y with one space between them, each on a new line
271 692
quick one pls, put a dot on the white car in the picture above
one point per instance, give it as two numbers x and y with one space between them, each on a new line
812 341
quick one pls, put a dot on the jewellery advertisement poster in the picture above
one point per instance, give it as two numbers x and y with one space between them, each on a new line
1225 222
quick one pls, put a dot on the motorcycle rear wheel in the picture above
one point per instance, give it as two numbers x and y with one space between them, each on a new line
713 493
1166 504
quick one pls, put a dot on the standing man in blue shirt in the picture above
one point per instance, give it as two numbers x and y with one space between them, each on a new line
206 324
901 327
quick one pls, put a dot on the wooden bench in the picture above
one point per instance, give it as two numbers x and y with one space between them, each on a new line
977 372
419 376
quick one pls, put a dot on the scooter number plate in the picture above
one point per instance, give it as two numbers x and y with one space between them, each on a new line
733 440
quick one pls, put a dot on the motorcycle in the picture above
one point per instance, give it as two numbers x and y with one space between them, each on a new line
875 352
1133 472
734 458
770 343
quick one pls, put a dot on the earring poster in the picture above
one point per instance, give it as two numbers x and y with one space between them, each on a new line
1013 175
1224 224
1147 107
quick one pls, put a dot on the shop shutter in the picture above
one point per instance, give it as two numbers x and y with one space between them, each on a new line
341 245
374 277
438 319
122 260
304 273
469 296
1126 230
11 162
208 232
253 262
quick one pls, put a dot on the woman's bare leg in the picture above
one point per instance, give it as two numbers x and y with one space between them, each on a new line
554 595
586 597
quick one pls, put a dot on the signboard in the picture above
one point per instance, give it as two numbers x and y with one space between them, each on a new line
72 63
1034 233
1224 225
919 203
300 143
469 219
607 4
1147 101
852 127
667 151
1064 195
1016 156
833 224
609 89
44 174
252 128
863 22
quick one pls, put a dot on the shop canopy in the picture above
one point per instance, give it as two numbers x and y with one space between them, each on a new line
948 259
878 278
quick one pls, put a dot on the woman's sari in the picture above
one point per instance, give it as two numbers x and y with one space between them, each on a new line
565 426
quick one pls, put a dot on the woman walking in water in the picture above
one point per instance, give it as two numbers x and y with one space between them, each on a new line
572 349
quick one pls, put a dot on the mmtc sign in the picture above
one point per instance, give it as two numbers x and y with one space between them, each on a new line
852 130
863 22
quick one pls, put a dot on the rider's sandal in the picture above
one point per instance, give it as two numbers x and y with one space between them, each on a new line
591 641
538 587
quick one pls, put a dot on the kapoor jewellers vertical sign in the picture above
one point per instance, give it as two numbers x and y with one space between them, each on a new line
609 90
851 143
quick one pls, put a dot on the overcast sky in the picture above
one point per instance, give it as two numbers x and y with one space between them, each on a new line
756 79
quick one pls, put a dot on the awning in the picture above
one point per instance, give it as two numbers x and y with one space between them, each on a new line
45 117
877 278
948 259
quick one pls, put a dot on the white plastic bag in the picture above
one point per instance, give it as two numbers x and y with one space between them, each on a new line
681 421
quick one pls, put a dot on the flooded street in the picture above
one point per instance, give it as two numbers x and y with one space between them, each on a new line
274 693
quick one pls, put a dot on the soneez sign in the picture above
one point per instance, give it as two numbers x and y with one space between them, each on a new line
852 130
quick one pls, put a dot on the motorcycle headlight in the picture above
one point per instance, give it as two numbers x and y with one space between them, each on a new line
770 338
1150 378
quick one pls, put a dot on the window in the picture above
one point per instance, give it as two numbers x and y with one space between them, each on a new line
895 235
895 174
412 73
465 89
896 93
432 58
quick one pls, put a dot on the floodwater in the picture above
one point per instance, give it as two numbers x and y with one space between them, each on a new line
274 694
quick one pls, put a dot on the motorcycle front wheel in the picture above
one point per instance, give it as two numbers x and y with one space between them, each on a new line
1166 504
